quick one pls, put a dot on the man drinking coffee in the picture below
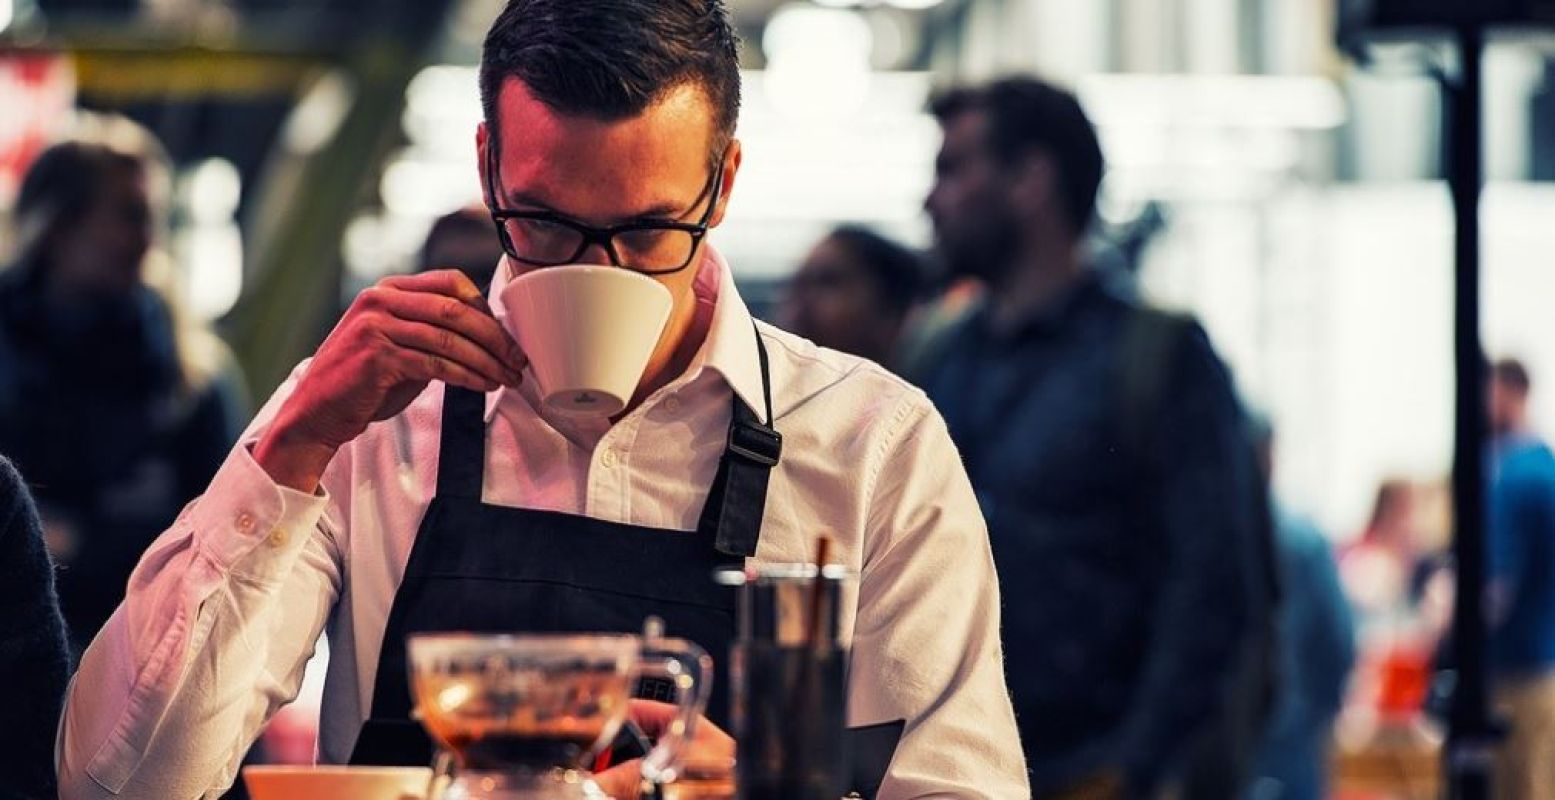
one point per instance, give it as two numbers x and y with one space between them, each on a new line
411 476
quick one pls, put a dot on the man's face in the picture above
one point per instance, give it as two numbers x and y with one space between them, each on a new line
833 301
975 228
1508 405
653 166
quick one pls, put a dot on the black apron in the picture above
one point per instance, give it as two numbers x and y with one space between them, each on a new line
494 569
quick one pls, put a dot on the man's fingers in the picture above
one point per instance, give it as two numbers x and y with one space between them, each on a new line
445 311
622 781
448 344
449 282
424 366
652 716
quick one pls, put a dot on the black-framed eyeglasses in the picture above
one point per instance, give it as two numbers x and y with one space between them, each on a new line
548 239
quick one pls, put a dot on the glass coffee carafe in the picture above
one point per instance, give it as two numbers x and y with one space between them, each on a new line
523 715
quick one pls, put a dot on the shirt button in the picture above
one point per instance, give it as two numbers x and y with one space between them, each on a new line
245 522
609 459
672 404
276 538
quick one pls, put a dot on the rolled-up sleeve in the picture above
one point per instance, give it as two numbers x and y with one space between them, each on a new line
218 620
926 646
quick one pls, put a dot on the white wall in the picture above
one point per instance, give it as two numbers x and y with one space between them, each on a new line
1343 326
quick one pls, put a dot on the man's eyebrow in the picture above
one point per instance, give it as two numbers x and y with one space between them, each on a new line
660 210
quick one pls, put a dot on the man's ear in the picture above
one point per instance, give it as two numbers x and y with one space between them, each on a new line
482 141
732 158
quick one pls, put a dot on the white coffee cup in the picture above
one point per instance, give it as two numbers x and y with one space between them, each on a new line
588 332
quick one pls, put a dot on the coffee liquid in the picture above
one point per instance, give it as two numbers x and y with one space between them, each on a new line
523 721
498 752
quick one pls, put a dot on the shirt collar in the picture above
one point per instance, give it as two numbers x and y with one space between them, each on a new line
730 346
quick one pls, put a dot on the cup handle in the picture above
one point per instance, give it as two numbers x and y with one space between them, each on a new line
689 669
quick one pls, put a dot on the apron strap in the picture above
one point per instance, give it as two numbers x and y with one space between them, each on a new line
732 516
461 453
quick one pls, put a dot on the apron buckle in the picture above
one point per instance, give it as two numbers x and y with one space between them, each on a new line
756 443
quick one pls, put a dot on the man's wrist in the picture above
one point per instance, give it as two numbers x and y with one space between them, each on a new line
291 458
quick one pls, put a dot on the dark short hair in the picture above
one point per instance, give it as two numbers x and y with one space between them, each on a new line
612 59
471 228
896 271
1511 372
1028 114
471 223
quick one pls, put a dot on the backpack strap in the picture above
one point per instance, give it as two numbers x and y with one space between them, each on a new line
1152 342
1152 339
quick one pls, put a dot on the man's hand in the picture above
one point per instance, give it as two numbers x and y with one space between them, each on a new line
395 338
708 744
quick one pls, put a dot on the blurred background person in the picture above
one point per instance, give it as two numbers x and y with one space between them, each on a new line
113 406
1385 577
1316 647
853 292
464 240
1522 559
34 657
1109 456
1379 567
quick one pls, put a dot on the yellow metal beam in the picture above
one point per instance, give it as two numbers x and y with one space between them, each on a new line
188 73
292 299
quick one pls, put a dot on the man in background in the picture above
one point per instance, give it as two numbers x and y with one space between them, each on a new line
1522 567
1108 454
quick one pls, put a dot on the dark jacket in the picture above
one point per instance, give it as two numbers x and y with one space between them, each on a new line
96 411
1125 540
34 663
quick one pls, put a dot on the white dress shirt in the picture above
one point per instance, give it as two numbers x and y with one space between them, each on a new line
224 609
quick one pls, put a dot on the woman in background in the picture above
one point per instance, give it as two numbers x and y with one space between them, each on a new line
854 292
116 411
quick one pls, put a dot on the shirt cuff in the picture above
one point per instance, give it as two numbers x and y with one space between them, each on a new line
248 524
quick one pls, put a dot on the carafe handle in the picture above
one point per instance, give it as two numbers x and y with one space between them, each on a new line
689 669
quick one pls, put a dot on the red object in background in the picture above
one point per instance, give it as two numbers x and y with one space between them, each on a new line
37 91
1404 680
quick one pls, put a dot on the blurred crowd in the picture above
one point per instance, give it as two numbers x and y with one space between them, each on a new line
1171 627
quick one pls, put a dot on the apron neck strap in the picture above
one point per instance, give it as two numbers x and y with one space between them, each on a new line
461 461
732 516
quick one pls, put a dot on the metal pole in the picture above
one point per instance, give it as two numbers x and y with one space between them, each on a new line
1471 737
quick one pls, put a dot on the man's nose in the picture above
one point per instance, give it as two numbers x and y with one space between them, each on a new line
596 254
